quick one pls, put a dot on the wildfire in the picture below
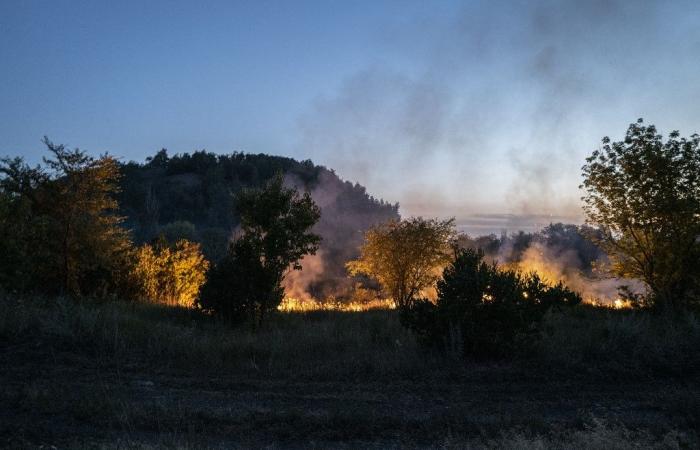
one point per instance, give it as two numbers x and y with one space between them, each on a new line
553 269
621 304
292 304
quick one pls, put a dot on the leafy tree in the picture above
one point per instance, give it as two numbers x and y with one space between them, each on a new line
171 274
240 288
275 235
277 221
644 194
62 224
483 310
405 256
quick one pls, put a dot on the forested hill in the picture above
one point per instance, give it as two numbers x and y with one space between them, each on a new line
192 196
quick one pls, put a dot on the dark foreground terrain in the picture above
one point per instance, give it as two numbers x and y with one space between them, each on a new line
128 376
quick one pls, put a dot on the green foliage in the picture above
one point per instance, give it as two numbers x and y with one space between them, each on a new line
60 226
644 194
405 256
275 235
482 310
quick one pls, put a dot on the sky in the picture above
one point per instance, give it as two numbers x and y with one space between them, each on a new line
467 109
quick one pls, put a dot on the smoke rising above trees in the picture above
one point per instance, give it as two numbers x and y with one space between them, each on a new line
501 100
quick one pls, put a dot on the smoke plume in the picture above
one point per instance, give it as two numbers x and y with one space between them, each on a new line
347 211
493 108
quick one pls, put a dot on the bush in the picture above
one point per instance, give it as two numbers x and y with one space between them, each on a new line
483 311
240 287
169 274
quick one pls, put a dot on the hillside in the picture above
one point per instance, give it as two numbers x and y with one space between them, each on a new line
192 196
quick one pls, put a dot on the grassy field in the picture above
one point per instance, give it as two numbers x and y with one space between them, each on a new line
118 375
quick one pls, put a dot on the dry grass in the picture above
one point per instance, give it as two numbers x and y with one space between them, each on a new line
624 343
341 345
118 375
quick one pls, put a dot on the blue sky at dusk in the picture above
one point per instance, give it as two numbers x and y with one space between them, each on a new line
451 108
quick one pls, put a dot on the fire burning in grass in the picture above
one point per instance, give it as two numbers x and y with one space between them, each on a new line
293 304
553 265
564 267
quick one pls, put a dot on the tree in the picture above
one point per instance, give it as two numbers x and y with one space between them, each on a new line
22 233
62 221
240 288
483 310
171 274
275 235
644 195
405 256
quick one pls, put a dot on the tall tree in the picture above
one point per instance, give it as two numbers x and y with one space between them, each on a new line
405 256
644 194
68 210
275 235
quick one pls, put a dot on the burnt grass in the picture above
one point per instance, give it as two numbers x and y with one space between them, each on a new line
117 375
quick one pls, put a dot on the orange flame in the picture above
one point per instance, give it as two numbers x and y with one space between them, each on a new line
293 304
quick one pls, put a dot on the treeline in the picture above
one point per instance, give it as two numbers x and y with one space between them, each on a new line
62 235
195 191
84 226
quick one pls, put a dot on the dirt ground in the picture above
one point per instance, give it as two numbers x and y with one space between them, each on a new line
68 400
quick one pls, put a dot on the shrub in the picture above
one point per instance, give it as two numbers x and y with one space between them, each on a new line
240 287
483 311
170 274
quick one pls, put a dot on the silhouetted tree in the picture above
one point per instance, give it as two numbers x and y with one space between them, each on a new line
62 224
644 195
482 310
580 239
275 235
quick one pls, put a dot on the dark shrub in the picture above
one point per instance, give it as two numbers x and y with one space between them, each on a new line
483 311
240 287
